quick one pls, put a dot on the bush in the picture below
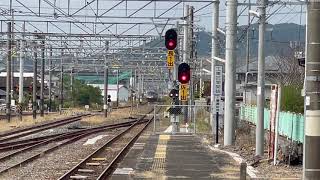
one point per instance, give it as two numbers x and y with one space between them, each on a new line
291 99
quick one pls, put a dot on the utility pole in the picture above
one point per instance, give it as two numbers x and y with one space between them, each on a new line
42 76
138 87
105 89
311 154
8 84
50 79
261 80
186 52
192 62
61 83
247 54
34 82
117 88
71 86
214 53
105 92
22 56
230 72
185 35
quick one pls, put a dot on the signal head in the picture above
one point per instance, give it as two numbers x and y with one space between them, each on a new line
174 93
184 73
171 39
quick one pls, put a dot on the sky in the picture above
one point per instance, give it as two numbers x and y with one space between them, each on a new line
282 14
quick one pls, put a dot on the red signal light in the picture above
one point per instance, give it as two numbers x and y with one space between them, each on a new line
171 39
184 73
184 77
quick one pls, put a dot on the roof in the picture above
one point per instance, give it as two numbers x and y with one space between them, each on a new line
270 65
16 74
110 86
2 92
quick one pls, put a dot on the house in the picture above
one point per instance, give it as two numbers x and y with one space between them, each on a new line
2 94
250 90
112 91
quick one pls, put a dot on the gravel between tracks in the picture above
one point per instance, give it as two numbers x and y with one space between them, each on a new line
56 163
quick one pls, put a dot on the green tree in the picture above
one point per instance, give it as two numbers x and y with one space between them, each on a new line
82 93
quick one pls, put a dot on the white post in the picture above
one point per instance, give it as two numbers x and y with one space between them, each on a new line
230 72
261 80
21 56
277 125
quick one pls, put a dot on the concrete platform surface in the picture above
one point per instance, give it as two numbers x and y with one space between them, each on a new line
175 157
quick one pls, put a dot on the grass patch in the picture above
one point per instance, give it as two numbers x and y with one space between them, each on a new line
203 127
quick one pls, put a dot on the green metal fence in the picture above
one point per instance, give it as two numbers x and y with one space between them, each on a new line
291 125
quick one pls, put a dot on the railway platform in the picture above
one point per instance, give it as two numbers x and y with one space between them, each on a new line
182 156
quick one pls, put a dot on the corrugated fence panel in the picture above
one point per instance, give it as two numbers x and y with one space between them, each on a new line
291 125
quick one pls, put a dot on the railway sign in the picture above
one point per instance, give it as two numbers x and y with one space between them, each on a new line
170 59
183 92
218 77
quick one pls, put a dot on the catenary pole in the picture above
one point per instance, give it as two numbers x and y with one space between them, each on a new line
261 80
247 54
8 83
21 57
214 53
105 92
42 76
50 80
230 72
312 99
61 82
34 82
117 88
186 52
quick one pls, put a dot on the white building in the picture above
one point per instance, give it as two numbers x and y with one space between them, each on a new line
112 91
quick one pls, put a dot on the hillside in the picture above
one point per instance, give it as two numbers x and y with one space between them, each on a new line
277 41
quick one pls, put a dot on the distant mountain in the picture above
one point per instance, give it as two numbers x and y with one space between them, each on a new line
277 40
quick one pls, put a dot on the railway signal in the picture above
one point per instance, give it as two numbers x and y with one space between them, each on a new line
174 93
184 73
171 39
109 98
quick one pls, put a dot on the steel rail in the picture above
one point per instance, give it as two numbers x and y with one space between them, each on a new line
108 171
25 142
38 126
59 138
99 150
39 129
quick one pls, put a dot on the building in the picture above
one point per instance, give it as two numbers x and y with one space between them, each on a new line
112 91
250 90
2 94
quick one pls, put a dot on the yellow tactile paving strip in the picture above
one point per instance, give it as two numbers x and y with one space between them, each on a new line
159 159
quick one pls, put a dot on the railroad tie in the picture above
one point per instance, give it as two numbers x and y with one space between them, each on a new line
86 170
99 159
93 164
78 177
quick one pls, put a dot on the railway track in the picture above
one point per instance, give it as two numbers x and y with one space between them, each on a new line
56 137
15 134
97 165
65 138
62 139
